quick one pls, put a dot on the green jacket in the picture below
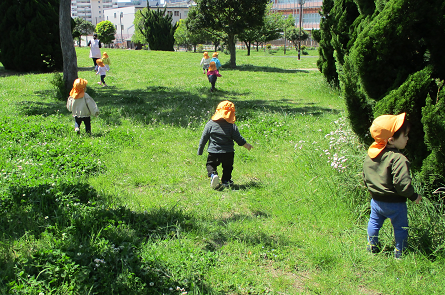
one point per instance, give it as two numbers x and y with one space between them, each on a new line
388 178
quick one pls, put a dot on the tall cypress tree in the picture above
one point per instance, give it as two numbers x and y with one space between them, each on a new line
393 56
29 33
158 29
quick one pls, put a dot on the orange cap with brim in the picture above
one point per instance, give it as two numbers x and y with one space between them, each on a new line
206 54
100 63
382 128
226 111
215 54
212 66
78 90
105 55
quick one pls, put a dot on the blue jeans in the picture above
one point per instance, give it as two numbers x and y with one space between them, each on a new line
397 213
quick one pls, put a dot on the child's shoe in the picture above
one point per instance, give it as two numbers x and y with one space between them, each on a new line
100 83
397 254
214 181
77 130
373 249
227 183
105 85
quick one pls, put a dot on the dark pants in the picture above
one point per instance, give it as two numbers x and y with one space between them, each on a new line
102 79
212 80
94 61
226 159
87 120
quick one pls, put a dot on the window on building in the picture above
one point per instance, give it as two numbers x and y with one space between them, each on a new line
122 27
115 15
115 26
169 13
176 13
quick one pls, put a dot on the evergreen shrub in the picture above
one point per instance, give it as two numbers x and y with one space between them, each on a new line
29 33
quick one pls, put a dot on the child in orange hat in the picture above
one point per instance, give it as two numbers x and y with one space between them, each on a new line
205 62
81 105
221 132
106 60
387 176
213 75
216 60
102 71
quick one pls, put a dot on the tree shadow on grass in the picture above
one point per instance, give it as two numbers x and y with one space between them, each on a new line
97 246
66 229
171 106
252 68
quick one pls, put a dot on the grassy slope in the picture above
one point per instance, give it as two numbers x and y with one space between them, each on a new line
286 227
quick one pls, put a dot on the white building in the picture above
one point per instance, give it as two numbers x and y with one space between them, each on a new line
91 10
122 16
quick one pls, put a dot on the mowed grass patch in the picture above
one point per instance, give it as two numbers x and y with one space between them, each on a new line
130 209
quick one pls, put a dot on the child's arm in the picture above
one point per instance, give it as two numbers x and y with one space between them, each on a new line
248 146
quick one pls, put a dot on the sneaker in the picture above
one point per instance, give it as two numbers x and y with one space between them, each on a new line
214 181
397 254
372 249
227 183
100 83
77 130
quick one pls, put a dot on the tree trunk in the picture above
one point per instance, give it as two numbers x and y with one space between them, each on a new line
248 47
67 44
232 50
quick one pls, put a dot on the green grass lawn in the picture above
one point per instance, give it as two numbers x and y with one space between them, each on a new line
130 208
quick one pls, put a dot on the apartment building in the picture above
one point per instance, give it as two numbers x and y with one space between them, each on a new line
309 10
91 10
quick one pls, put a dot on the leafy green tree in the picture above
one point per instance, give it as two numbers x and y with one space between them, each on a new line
295 35
138 37
270 30
30 39
183 37
105 31
229 16
82 27
158 29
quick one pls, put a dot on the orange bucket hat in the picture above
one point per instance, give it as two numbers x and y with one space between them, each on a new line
105 55
215 54
226 111
206 54
78 90
382 128
212 66
100 63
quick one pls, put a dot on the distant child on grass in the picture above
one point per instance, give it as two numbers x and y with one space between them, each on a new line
205 62
106 60
221 133
216 60
387 176
213 75
102 71
81 105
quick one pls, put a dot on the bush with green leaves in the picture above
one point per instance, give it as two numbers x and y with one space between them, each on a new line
29 33
386 56
158 29
105 31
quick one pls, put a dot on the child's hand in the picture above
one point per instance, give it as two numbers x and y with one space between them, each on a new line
248 146
417 201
